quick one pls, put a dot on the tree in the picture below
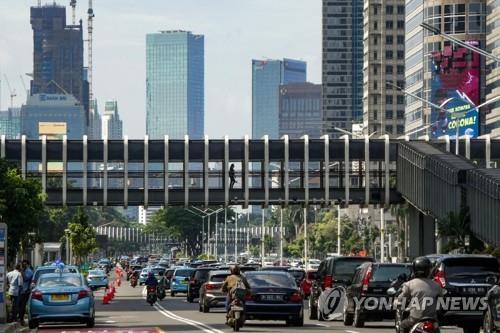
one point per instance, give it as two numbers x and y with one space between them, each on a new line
82 236
455 227
21 207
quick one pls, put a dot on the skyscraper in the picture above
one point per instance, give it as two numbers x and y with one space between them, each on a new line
175 85
112 126
384 62
10 123
95 122
492 68
437 69
342 64
267 76
300 110
57 54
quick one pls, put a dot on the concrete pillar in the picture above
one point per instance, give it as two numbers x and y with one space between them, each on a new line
421 233
38 255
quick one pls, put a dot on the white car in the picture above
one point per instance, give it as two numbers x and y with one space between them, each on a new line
313 263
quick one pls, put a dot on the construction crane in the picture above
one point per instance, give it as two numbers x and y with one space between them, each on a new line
11 91
24 86
91 15
72 3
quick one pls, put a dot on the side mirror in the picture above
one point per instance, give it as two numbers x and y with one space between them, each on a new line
391 291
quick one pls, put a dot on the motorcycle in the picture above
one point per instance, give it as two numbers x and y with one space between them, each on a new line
236 316
133 281
424 325
151 295
161 293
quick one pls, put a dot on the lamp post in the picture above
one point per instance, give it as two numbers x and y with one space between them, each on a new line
236 237
262 248
281 235
225 235
248 232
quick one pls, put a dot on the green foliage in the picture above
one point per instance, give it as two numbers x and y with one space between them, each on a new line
21 206
255 251
269 245
82 236
455 227
294 249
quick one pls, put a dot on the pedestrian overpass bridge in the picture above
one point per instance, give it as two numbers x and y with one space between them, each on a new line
325 171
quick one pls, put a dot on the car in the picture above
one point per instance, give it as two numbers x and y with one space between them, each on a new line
468 277
197 278
332 272
273 295
105 263
61 297
491 321
97 278
298 274
211 294
267 262
158 271
371 281
180 280
313 263
306 284
144 275
39 271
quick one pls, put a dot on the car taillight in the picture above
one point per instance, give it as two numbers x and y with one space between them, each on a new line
249 297
439 278
211 286
296 298
366 280
328 281
37 295
428 326
83 294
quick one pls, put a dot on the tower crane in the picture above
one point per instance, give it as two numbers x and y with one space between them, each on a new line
24 86
91 16
11 91
72 3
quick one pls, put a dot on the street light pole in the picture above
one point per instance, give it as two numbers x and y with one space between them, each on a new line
208 236
338 230
382 235
203 234
262 249
281 235
248 231
225 235
216 250
305 237
236 238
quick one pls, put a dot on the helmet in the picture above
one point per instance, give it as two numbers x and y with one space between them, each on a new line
235 270
421 267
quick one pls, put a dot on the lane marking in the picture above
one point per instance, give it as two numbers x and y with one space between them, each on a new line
203 327
351 331
322 325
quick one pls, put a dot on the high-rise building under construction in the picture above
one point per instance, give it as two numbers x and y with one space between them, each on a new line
58 54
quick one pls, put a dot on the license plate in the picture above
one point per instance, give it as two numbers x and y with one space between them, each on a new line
474 290
59 298
271 298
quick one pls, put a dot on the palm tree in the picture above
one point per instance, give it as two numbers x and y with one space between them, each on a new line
456 228
400 212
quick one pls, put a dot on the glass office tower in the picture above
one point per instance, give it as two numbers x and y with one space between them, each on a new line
175 75
267 76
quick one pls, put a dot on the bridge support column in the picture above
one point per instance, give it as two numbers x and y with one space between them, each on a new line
422 239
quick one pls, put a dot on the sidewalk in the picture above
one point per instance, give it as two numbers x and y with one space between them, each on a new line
14 327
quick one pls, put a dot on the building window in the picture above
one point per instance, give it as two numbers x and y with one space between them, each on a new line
401 54
389 9
388 99
401 24
375 10
388 128
400 129
388 54
401 10
375 25
400 114
375 41
388 69
401 39
375 56
401 100
375 115
388 24
401 69
375 85
375 100
389 39
375 70
388 114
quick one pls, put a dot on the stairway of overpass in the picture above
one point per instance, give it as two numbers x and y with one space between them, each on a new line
436 182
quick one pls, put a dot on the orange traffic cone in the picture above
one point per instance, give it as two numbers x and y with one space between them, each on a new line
105 299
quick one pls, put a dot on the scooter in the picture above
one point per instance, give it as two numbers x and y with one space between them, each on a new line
161 293
151 295
236 317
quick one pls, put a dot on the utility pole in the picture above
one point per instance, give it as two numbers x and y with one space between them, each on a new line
91 16
248 231
382 235
262 244
281 236
305 238
225 235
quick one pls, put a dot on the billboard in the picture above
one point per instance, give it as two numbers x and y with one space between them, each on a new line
53 131
455 87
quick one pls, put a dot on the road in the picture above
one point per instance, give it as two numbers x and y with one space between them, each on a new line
129 313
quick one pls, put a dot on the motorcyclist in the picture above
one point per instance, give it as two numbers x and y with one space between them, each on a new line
151 281
230 282
423 289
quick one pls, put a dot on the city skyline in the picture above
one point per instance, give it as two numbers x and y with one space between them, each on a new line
275 36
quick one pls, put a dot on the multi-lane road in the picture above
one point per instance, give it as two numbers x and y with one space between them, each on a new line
129 313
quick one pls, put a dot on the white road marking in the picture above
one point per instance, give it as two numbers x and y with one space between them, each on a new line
322 325
351 331
203 327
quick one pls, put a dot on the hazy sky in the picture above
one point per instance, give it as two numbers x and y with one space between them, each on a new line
235 32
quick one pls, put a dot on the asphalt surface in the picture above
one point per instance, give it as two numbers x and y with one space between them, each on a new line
128 312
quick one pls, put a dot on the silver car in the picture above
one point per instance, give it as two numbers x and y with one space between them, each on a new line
211 294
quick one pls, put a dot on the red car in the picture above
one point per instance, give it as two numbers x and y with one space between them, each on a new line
306 284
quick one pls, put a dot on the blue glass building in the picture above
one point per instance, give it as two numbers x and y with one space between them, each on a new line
175 74
267 76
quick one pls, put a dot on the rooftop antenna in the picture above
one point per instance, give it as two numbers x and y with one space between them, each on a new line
11 91
91 15
72 3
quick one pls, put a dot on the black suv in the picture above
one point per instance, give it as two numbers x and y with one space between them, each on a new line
466 277
371 281
198 277
332 272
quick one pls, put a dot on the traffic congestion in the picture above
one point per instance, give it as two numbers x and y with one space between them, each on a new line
353 291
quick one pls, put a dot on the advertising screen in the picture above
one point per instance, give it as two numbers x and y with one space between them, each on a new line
455 88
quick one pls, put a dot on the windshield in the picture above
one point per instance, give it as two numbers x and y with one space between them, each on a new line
96 273
270 280
158 270
344 269
218 278
183 272
60 281
390 273
201 274
297 275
